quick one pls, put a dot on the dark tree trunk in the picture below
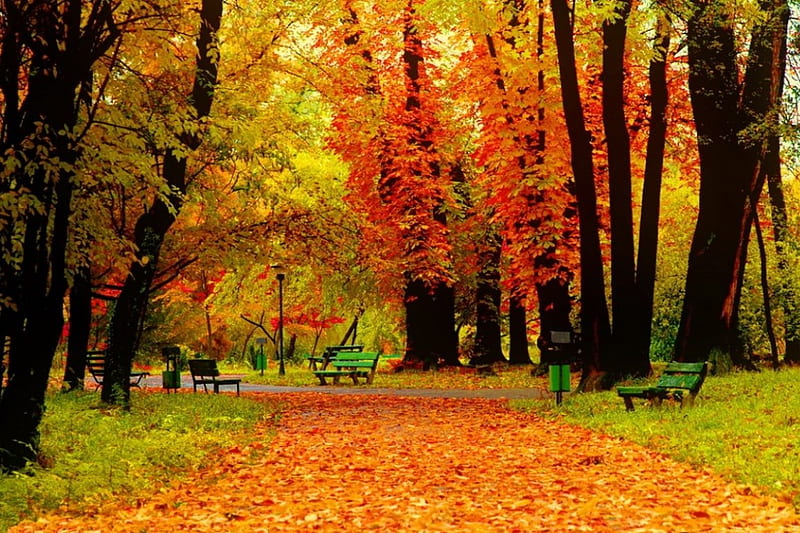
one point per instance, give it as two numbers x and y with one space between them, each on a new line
595 327
152 226
488 296
518 349
53 52
651 190
80 325
788 299
624 357
772 167
430 337
729 171
762 253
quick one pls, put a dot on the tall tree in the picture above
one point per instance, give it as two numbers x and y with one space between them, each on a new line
595 327
732 152
153 224
651 187
48 53
430 303
624 301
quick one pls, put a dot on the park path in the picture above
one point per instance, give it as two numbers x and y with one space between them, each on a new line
388 463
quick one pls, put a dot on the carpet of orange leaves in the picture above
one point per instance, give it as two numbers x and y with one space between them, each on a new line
352 463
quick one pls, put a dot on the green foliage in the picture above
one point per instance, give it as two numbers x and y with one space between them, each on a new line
90 454
743 425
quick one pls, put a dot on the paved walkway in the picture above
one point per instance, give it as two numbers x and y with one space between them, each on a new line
358 463
509 394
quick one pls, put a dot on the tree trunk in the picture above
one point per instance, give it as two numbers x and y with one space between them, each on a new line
768 324
430 336
772 167
788 299
42 115
488 348
518 351
624 357
80 325
430 305
651 190
153 225
730 173
595 327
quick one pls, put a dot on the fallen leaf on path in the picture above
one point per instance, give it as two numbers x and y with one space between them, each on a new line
348 463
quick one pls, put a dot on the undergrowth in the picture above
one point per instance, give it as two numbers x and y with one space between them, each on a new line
90 453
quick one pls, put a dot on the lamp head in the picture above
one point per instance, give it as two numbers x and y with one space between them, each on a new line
280 272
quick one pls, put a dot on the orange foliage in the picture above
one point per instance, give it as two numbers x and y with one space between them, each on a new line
355 463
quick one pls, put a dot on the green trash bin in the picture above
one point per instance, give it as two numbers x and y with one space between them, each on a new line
171 377
559 380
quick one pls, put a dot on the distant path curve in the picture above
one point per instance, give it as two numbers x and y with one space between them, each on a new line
510 393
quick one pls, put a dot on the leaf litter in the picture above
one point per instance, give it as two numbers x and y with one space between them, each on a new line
388 463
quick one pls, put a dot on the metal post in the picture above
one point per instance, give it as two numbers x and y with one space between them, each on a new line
281 368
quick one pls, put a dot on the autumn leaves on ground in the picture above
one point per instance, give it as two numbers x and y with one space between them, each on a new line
353 463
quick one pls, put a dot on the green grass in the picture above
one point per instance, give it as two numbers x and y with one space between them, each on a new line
91 453
745 426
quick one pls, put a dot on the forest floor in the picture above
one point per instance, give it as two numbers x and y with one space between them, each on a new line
391 463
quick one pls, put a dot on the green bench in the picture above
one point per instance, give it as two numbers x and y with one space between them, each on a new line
679 381
330 353
205 372
351 364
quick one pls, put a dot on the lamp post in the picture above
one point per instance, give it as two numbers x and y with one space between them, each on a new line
280 276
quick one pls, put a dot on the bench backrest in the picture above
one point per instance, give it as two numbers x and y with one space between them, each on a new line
360 357
203 367
96 363
688 376
357 356
333 350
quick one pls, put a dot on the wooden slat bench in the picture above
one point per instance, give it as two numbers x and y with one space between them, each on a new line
351 364
205 372
680 381
96 365
330 353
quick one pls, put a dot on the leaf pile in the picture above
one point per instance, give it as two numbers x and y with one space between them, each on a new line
348 463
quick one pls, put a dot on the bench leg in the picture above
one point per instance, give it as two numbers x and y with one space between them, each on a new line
655 401
628 403
216 388
321 380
